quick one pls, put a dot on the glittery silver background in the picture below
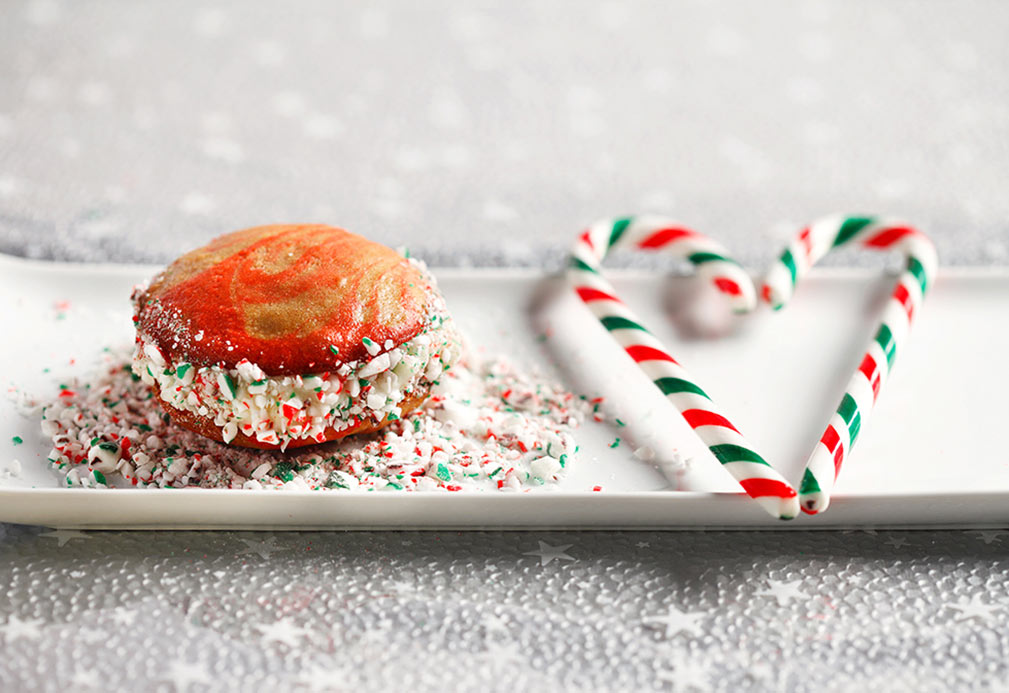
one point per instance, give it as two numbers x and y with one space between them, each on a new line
488 134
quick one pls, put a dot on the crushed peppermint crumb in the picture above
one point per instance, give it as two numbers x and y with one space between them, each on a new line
485 426
279 409
370 345
10 470
17 440
644 453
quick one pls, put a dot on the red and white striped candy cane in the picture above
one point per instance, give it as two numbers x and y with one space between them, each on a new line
809 246
736 455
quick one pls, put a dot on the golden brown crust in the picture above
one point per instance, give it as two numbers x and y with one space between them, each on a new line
281 296
205 426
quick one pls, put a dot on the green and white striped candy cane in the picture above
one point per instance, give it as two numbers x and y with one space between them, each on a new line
737 456
806 249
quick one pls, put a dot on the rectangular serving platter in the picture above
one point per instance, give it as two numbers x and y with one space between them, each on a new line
932 454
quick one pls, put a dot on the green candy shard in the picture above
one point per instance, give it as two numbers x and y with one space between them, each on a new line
232 385
334 350
443 473
17 440
108 447
99 477
284 471
183 369
334 481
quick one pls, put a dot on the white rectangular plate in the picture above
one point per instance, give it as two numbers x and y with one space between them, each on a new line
932 453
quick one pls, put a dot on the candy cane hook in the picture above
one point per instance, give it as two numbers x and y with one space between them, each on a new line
808 247
753 473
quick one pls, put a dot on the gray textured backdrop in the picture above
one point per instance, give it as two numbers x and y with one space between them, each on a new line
488 134
485 133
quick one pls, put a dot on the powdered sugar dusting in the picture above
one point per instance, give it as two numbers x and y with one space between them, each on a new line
486 426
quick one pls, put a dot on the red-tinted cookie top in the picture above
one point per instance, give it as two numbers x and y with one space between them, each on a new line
282 296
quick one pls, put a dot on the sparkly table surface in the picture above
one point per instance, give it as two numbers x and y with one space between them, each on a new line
487 135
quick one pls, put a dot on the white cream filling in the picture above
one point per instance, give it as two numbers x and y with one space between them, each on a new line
278 409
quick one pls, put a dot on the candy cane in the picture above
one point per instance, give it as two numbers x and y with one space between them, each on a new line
754 474
808 247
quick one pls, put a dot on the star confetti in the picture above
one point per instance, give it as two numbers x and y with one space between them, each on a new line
16 629
85 680
686 675
124 616
548 553
503 654
975 609
264 548
897 542
990 536
783 592
62 536
282 631
677 621
323 679
185 674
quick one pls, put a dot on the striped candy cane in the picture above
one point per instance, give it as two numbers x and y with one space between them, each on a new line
808 247
754 474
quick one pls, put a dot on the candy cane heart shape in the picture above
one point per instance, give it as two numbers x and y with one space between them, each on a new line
809 246
753 473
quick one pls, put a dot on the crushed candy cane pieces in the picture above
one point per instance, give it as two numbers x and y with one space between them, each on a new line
486 426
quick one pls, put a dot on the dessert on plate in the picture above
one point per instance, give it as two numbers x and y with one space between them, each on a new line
289 335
